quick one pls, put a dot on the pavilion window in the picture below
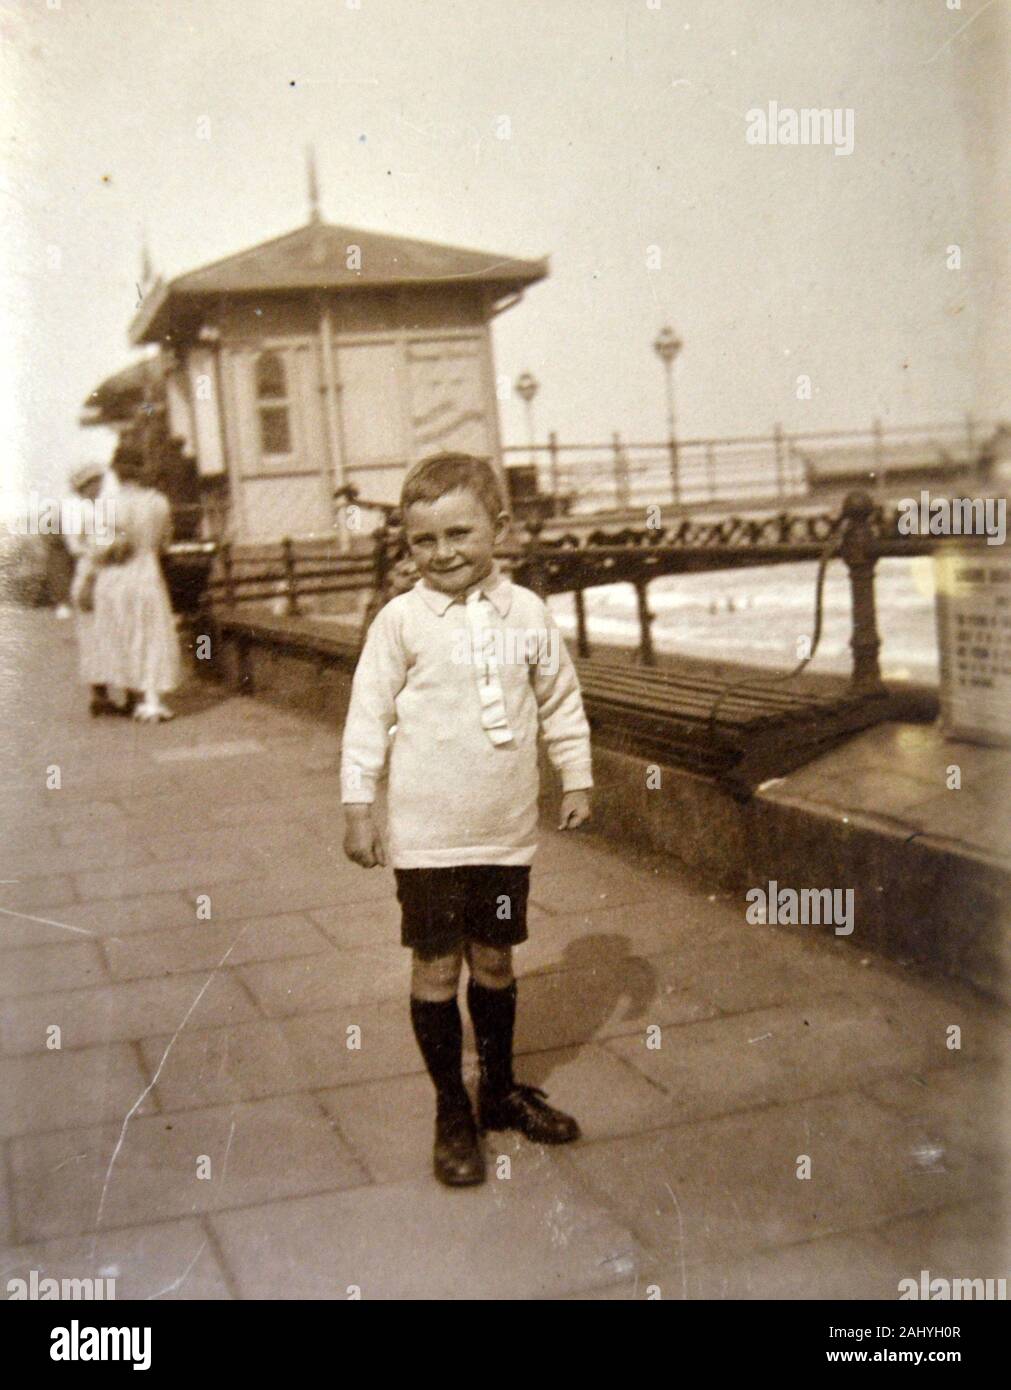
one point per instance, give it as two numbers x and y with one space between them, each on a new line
273 405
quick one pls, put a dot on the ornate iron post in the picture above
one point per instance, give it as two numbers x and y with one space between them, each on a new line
646 654
582 636
859 551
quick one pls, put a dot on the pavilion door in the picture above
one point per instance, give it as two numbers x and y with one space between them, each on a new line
374 435
409 395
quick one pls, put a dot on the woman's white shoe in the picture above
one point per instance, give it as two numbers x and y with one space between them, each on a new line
152 714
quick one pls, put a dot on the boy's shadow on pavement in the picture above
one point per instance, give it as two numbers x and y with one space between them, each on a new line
568 1004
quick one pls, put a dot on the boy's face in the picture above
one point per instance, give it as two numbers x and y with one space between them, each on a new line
453 539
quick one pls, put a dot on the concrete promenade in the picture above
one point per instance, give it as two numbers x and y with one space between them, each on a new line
204 1129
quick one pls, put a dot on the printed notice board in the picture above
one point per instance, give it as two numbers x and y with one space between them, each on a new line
973 586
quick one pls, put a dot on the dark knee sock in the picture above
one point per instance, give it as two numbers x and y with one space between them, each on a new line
439 1031
493 1013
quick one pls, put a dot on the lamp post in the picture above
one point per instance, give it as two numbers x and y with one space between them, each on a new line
667 345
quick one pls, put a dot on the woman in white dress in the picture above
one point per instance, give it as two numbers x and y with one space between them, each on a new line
134 635
86 482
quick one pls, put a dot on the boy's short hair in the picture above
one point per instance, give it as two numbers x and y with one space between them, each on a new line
431 478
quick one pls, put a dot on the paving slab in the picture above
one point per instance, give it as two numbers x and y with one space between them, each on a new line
618 994
296 890
42 968
36 894
841 1267
965 1103
823 1045
44 860
321 1039
602 886
389 1123
200 947
968 1241
122 1012
112 917
531 1235
719 1190
258 1151
197 874
221 1066
329 978
169 1260
62 1089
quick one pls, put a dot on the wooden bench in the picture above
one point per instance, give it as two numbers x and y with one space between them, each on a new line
741 736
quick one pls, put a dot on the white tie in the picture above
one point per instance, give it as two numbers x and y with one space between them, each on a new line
489 686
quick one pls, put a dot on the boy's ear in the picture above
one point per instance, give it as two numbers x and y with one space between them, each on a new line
501 525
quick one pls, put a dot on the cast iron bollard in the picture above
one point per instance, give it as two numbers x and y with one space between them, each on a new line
859 551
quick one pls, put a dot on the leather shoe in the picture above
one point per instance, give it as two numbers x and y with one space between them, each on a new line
458 1158
525 1108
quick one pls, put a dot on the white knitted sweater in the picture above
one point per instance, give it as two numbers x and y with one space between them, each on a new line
456 794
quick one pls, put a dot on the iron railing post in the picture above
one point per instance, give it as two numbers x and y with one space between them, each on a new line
227 566
582 636
535 578
859 551
290 578
646 654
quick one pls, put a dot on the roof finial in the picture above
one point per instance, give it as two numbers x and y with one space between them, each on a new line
310 159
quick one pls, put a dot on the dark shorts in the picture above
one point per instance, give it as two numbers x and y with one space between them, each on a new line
442 908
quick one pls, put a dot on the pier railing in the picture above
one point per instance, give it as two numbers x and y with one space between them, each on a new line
294 576
561 479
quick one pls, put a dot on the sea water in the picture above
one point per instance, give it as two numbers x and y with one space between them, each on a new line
761 616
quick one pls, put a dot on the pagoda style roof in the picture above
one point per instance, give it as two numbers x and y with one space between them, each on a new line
315 257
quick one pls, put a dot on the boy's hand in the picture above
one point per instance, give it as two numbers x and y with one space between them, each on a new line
575 810
362 841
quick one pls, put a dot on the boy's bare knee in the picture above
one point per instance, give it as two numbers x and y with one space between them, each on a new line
437 979
490 966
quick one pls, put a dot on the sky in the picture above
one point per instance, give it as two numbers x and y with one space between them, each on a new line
607 134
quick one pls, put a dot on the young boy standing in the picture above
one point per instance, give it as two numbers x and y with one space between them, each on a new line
469 668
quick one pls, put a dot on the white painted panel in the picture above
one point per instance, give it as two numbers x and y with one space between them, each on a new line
273 508
206 411
370 403
449 404
180 416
